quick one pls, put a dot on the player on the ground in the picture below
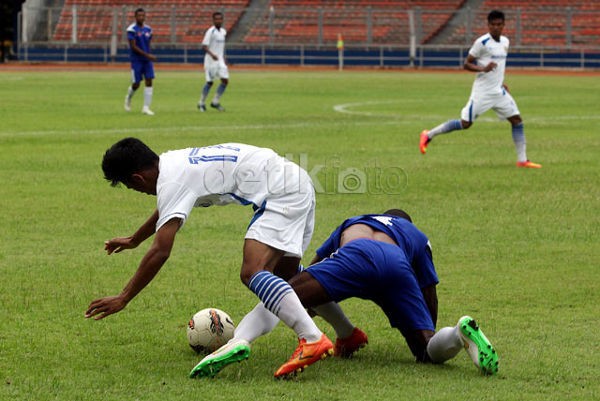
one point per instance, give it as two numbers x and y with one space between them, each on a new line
408 296
213 45
139 36
487 57
283 199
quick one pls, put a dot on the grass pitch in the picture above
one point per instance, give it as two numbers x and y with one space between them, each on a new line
516 249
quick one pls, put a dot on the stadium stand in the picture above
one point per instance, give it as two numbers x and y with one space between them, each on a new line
299 22
189 18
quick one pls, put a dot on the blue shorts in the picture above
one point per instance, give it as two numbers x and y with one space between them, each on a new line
379 272
141 70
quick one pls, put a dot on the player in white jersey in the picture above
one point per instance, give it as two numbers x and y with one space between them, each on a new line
487 57
280 230
213 45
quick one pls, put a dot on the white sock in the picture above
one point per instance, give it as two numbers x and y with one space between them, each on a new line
293 314
334 315
444 344
257 322
148 96
130 93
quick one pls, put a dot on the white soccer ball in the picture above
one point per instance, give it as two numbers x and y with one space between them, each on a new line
209 329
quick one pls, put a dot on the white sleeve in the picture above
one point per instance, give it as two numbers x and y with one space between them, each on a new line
174 201
207 35
476 49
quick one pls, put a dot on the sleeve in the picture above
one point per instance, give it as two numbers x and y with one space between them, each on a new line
174 201
130 33
330 245
476 49
424 268
207 35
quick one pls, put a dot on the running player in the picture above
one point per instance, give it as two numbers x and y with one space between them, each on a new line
280 230
139 35
213 45
487 57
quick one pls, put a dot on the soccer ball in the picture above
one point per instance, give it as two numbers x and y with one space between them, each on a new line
209 329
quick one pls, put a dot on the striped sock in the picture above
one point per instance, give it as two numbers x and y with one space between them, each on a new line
279 297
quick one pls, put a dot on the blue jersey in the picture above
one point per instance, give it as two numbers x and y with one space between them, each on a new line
409 238
142 36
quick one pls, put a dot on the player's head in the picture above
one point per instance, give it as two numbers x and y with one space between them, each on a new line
217 18
495 23
398 213
140 16
126 160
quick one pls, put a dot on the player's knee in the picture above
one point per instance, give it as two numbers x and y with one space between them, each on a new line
135 85
247 272
465 124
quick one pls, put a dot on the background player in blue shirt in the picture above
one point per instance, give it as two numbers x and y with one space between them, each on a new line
139 36
386 259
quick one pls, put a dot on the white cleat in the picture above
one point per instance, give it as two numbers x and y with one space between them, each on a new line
146 110
127 104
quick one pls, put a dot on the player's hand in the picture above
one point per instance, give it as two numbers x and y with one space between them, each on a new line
100 308
215 57
117 245
152 57
505 87
491 66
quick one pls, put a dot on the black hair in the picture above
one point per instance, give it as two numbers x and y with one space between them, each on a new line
495 14
398 213
139 10
126 157
217 13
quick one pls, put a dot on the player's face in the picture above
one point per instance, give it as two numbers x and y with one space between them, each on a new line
140 17
218 20
495 27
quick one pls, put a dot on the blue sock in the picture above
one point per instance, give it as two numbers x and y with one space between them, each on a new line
220 91
518 135
270 289
448 126
205 91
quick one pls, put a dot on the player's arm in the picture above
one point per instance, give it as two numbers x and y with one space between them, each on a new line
471 65
150 265
211 54
117 245
139 51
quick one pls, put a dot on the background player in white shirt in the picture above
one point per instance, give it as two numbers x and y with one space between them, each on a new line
283 199
213 45
487 57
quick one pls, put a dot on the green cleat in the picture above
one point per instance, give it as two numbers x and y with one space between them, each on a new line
233 351
478 347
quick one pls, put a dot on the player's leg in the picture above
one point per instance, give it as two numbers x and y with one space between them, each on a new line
224 75
148 90
465 122
136 78
209 76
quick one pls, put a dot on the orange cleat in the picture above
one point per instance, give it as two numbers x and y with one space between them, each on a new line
306 354
528 164
424 141
346 347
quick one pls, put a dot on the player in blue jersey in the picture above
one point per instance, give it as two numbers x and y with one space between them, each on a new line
487 58
139 36
384 258
281 195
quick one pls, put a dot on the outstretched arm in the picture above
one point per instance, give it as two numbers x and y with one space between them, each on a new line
150 265
116 245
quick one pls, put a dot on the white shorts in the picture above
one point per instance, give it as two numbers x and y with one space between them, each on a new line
286 221
502 103
215 69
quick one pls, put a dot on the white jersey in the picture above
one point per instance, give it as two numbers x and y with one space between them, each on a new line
220 175
485 50
214 39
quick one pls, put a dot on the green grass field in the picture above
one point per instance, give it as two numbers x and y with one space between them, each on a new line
517 249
